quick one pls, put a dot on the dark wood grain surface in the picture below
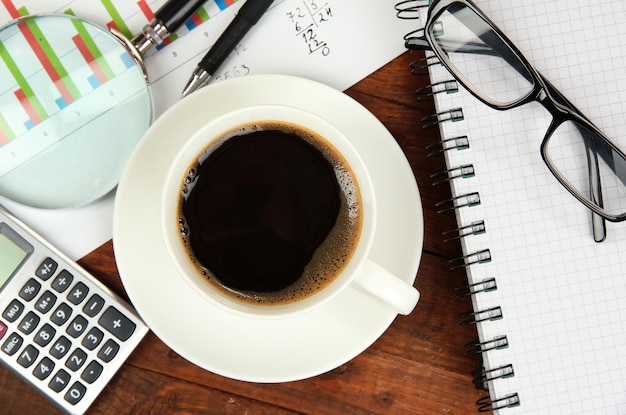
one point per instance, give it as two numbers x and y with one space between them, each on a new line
419 365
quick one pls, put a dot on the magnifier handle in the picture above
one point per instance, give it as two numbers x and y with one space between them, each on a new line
176 12
170 16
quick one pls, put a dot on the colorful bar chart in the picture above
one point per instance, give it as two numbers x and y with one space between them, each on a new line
72 66
197 19
50 62
26 84
24 93
89 50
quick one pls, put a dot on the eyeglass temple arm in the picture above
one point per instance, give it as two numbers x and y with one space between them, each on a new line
420 43
592 151
595 188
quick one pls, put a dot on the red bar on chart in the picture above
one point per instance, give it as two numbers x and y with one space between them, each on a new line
145 9
197 20
112 25
90 59
8 4
28 107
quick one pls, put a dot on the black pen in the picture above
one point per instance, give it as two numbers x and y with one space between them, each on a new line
248 16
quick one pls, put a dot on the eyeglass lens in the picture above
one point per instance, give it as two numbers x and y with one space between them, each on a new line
478 55
574 149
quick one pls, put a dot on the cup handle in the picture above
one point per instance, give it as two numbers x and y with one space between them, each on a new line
378 282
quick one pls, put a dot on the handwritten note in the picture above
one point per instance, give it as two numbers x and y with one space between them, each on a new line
308 18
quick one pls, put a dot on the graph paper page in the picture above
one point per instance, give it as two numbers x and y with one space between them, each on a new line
561 295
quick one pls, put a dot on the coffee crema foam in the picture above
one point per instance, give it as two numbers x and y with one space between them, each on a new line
330 257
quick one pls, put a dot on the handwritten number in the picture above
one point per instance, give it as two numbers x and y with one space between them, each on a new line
325 15
306 22
312 5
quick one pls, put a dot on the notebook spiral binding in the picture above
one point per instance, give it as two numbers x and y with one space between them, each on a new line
415 40
410 9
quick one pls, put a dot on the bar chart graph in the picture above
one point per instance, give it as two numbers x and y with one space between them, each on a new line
58 75
53 71
38 85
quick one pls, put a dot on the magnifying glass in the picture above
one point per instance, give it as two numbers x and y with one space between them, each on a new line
74 102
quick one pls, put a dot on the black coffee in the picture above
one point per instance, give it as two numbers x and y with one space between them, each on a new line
272 214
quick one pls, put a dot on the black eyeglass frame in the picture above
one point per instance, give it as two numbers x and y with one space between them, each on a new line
542 91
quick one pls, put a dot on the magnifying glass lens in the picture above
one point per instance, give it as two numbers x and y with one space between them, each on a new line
73 105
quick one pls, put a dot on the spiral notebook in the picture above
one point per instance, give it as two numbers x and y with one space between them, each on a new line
549 303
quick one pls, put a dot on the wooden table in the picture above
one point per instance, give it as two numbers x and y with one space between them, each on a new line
420 364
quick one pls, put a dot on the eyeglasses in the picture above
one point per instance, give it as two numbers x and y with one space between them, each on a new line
490 67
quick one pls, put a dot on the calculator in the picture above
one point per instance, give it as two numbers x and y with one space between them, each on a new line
61 330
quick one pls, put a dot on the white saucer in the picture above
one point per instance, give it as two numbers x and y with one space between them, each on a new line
237 347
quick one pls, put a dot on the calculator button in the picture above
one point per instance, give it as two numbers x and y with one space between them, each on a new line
46 269
117 324
62 281
61 314
28 356
3 329
12 344
13 311
94 305
76 360
75 393
77 326
108 351
46 302
59 381
45 335
30 289
78 293
93 338
28 323
43 368
60 347
92 372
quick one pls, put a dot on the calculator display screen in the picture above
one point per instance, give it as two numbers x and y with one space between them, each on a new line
13 251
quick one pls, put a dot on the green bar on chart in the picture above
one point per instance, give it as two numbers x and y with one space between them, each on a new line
204 15
22 83
5 131
118 21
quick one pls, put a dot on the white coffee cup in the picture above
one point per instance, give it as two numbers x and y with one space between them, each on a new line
360 272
